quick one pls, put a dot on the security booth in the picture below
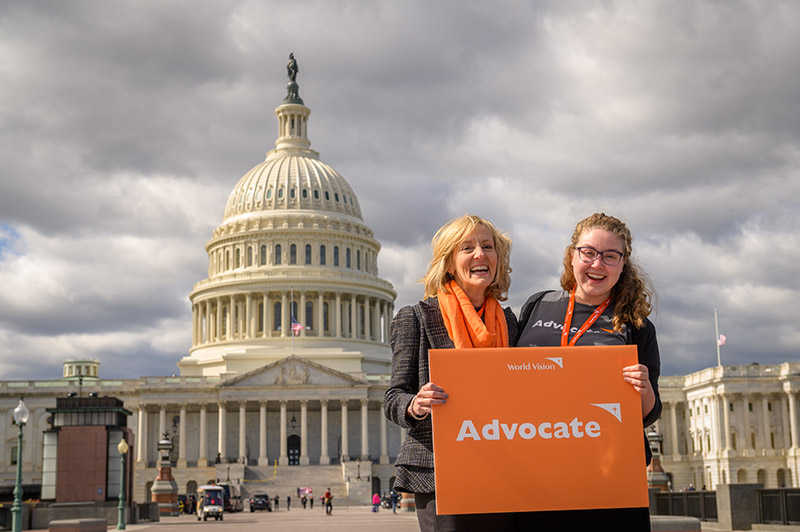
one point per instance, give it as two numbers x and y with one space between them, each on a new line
81 460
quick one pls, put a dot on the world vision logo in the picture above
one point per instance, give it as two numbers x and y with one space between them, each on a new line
546 430
550 365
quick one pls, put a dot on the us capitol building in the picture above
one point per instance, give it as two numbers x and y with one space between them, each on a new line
267 410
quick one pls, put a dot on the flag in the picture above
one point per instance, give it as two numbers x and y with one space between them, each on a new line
296 327
721 339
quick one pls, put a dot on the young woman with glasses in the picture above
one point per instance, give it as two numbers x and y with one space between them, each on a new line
605 300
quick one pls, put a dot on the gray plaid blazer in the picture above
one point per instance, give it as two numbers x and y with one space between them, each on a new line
415 330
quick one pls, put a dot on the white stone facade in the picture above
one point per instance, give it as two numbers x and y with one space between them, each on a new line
732 424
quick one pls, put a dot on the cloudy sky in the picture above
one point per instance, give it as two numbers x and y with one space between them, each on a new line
125 125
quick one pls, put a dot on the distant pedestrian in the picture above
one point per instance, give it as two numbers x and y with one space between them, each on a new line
303 501
277 500
376 502
328 502
311 501
393 496
288 502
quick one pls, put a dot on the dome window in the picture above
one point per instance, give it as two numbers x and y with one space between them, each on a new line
277 317
263 255
293 254
347 258
322 255
316 194
238 257
358 259
227 260
335 255
292 193
327 196
325 322
305 193
336 196
309 315
277 254
249 255
308 253
269 193
280 193
344 198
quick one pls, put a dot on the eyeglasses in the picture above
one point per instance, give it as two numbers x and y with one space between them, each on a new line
609 257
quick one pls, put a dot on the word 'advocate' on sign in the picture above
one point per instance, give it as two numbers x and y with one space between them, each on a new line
537 428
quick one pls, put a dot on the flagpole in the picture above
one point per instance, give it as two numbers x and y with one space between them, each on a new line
716 329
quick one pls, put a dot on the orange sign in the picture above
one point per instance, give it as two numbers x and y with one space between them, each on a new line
537 428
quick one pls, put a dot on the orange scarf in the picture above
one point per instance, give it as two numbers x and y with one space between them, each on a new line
464 324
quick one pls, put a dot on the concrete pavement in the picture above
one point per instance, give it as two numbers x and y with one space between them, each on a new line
344 519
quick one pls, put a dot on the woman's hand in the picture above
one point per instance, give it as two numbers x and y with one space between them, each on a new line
427 396
639 377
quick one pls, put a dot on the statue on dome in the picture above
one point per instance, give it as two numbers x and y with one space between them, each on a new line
291 68
292 89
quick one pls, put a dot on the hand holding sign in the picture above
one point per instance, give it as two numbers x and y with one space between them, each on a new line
428 395
639 376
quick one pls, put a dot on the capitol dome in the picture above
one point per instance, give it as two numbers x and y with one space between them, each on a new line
293 269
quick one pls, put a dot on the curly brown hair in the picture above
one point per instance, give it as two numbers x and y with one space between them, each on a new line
632 294
445 241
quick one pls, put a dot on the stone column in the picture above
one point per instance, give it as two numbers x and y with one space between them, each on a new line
384 459
367 319
202 459
353 317
162 420
284 457
787 439
141 445
792 417
338 320
242 433
303 320
248 316
765 421
321 315
218 331
726 421
303 432
284 314
241 324
673 425
195 311
715 441
266 316
229 320
182 437
364 431
222 447
207 323
324 459
746 422
345 446
262 434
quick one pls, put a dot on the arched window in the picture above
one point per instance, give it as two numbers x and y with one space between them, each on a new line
347 258
308 253
249 255
310 314
238 257
358 259
322 255
325 323
344 198
293 306
327 196
280 193
263 255
293 254
276 316
316 194
292 193
277 254
269 193
336 196
335 255
261 317
305 193
227 260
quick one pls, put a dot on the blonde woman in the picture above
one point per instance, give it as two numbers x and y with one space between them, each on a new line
466 279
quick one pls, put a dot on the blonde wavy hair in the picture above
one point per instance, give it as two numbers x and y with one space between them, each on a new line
444 243
632 294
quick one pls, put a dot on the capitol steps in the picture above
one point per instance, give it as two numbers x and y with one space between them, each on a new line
284 480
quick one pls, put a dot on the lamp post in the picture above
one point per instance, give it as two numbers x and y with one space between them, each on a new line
123 450
21 414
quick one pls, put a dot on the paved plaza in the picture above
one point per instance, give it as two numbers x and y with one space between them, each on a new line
352 519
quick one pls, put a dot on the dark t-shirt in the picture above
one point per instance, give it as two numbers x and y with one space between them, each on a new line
547 321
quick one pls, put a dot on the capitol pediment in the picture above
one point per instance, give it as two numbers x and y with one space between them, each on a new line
292 371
